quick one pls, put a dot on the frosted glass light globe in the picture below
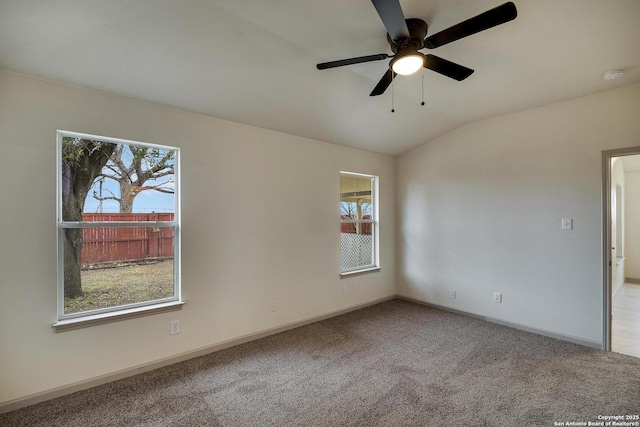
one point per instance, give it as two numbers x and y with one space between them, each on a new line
407 64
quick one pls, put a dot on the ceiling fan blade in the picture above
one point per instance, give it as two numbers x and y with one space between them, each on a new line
350 61
384 83
447 68
496 16
392 17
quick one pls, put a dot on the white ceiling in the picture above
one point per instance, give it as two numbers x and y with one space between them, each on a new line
253 61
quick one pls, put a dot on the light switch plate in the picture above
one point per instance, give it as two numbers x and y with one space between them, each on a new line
567 224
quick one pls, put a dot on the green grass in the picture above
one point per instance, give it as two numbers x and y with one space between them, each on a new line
123 284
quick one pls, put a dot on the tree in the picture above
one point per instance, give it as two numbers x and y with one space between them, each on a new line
133 168
82 163
349 209
354 210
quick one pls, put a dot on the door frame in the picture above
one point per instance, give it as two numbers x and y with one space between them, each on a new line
607 261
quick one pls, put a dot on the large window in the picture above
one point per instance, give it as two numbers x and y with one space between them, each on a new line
118 228
358 222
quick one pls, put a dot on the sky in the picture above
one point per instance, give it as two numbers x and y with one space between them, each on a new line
145 201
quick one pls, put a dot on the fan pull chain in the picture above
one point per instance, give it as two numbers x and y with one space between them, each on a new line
422 77
393 110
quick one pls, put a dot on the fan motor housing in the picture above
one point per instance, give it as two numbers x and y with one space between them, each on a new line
417 31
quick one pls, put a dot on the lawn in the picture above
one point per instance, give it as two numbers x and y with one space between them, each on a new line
130 283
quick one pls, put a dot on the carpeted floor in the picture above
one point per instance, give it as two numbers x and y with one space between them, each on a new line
393 364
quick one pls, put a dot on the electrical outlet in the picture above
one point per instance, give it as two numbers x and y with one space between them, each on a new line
453 294
497 297
175 327
274 306
345 289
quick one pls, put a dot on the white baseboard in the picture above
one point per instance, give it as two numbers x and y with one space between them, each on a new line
561 337
22 402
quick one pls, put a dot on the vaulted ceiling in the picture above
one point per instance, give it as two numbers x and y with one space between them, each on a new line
253 61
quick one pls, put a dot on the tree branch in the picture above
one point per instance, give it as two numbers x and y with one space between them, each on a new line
102 198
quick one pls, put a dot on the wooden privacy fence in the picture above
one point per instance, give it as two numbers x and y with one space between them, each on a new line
111 244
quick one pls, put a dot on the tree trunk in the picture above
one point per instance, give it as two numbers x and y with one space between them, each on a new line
72 211
78 174
128 193
72 263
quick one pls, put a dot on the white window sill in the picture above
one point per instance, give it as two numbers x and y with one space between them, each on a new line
355 272
115 316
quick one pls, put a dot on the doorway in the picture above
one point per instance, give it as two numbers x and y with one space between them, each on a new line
621 205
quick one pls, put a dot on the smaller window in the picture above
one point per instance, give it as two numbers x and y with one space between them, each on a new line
358 222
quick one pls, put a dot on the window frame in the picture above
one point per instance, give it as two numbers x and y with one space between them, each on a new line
108 314
374 221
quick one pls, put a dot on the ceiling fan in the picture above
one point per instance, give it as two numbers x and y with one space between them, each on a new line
407 37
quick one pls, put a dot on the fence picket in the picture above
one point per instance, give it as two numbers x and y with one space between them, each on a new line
112 244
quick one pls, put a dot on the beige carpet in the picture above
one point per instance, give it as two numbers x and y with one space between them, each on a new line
393 364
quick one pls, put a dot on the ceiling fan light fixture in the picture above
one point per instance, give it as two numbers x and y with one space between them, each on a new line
407 36
407 64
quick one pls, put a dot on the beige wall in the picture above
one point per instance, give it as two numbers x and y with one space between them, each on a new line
479 211
260 224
